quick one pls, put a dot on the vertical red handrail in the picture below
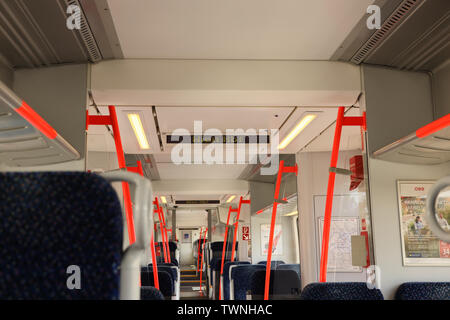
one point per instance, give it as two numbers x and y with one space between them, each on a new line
330 194
282 169
224 249
122 165
201 265
161 227
198 249
167 248
272 228
233 249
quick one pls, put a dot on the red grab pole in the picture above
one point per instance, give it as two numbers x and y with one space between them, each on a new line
201 264
198 253
233 249
165 236
161 227
224 248
282 169
340 121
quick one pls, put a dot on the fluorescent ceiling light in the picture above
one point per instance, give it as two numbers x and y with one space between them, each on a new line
138 129
303 123
163 199
231 198
293 213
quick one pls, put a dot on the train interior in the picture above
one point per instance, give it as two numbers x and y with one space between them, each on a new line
225 150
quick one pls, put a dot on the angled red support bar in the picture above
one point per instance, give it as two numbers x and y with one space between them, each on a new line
233 248
434 126
36 120
224 249
201 264
112 120
282 169
341 121
198 251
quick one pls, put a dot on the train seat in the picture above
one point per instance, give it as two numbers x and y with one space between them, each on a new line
284 285
51 221
166 284
423 291
173 271
340 291
151 293
225 278
240 279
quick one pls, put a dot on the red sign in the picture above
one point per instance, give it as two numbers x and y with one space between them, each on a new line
245 233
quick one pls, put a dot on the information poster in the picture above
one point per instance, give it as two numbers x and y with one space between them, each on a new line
340 245
420 247
277 246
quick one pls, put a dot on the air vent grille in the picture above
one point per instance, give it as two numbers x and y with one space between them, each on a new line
86 34
403 11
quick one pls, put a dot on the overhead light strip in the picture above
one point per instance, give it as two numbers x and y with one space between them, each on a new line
231 198
301 125
138 129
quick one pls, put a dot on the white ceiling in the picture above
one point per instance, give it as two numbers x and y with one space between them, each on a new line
234 29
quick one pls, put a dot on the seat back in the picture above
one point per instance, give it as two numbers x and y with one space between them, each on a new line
163 267
423 291
241 276
166 283
56 225
293 267
340 291
226 276
273 264
151 293
284 284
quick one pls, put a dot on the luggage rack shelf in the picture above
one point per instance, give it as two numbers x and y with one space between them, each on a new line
25 138
427 145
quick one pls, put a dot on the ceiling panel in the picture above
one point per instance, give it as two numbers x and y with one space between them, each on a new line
234 29
199 171
222 118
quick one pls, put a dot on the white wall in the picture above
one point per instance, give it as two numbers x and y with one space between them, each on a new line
386 226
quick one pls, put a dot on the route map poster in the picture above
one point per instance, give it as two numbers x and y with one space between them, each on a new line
277 246
340 245
419 246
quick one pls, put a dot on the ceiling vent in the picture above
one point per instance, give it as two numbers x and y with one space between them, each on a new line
86 34
403 11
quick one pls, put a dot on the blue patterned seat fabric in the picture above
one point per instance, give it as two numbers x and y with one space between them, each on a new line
241 276
52 220
166 284
423 291
226 277
340 291
151 293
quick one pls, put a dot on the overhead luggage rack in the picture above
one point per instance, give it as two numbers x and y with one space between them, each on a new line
26 139
427 145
